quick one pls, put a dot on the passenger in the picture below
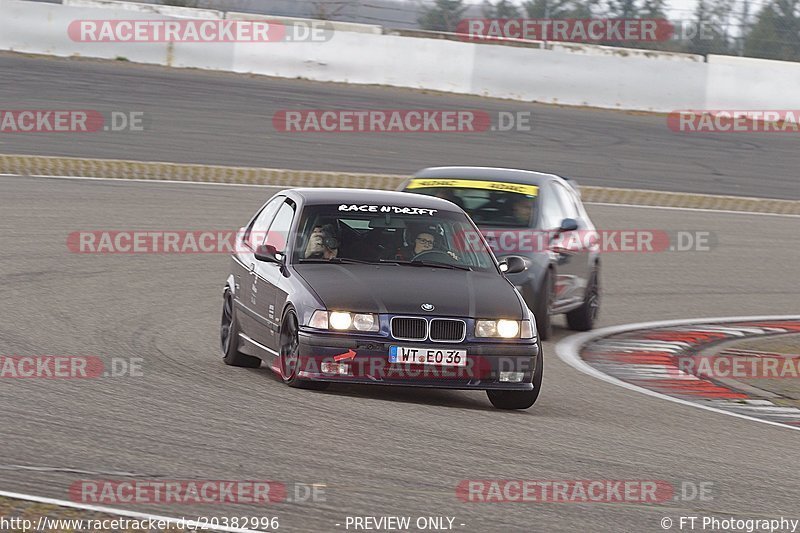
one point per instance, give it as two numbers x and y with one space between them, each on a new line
323 243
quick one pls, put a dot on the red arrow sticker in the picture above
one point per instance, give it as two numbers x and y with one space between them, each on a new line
350 354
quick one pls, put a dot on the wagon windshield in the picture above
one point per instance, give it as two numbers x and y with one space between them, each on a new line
489 203
402 234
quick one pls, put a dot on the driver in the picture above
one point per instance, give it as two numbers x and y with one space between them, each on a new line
323 243
423 242
523 210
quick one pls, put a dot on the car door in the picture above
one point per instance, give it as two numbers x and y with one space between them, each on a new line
572 249
244 262
269 280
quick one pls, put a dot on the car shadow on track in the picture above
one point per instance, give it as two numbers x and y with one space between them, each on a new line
475 400
453 398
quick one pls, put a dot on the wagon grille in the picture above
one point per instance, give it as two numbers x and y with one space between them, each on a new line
445 330
409 329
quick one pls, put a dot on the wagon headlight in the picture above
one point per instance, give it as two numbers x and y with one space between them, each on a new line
343 321
504 329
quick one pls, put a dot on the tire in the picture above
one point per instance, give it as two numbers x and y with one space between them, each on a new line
541 308
229 337
290 355
584 317
522 399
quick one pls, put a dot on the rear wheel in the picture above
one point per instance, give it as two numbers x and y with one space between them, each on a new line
584 317
519 399
229 337
290 355
542 306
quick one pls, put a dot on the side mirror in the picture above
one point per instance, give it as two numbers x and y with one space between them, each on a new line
512 265
268 254
568 224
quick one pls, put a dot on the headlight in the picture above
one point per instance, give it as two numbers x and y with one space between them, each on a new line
503 328
343 320
508 329
364 322
340 320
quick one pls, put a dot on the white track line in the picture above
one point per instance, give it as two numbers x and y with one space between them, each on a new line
138 180
700 209
121 512
182 182
568 350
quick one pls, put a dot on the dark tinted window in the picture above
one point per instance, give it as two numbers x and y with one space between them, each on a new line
257 231
278 234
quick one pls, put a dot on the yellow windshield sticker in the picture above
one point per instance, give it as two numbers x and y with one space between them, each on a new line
424 183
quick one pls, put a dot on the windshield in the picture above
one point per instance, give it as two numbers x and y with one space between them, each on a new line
489 203
397 234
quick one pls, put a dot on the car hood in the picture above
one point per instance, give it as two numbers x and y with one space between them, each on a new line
402 289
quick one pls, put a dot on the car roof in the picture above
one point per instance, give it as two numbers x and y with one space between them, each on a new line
323 195
509 175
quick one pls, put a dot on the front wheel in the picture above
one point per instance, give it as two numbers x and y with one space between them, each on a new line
584 317
290 356
520 399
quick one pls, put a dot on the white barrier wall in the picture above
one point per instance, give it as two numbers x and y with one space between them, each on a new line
170 11
567 74
752 84
599 80
365 58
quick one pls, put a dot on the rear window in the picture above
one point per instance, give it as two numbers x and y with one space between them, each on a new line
488 203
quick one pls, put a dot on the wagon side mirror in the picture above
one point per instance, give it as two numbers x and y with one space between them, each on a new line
568 224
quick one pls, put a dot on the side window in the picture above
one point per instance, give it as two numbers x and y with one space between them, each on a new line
278 234
567 202
550 207
258 229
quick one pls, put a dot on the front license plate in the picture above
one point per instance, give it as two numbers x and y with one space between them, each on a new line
427 356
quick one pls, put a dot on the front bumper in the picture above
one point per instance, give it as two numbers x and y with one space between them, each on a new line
367 361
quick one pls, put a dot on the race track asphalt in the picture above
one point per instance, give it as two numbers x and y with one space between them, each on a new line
197 116
378 451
